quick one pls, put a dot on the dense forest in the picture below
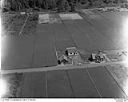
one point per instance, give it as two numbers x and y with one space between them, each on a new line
19 5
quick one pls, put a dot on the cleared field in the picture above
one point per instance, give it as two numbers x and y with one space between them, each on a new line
37 44
44 50
17 50
109 28
96 82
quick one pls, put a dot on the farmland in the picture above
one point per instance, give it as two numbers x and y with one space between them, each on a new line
37 33
86 82
29 44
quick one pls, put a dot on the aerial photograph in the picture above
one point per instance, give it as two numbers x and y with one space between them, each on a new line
64 49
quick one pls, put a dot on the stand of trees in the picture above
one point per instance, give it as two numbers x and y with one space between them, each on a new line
19 5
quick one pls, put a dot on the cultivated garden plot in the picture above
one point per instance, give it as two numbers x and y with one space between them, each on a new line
48 18
70 16
54 18
43 18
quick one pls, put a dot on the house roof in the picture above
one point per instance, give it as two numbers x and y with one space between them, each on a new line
71 49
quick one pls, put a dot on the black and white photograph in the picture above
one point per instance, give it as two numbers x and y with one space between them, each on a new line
64 49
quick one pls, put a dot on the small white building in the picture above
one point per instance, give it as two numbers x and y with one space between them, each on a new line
72 51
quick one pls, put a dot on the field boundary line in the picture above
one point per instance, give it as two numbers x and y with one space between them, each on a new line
93 82
66 67
21 30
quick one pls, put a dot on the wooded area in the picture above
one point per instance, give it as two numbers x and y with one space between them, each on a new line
19 5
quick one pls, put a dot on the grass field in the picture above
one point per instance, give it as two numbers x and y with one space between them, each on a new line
34 45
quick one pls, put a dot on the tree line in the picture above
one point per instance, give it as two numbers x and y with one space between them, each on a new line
17 5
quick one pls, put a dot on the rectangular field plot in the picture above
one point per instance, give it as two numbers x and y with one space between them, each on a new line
102 79
81 83
43 18
73 16
48 18
34 85
58 84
